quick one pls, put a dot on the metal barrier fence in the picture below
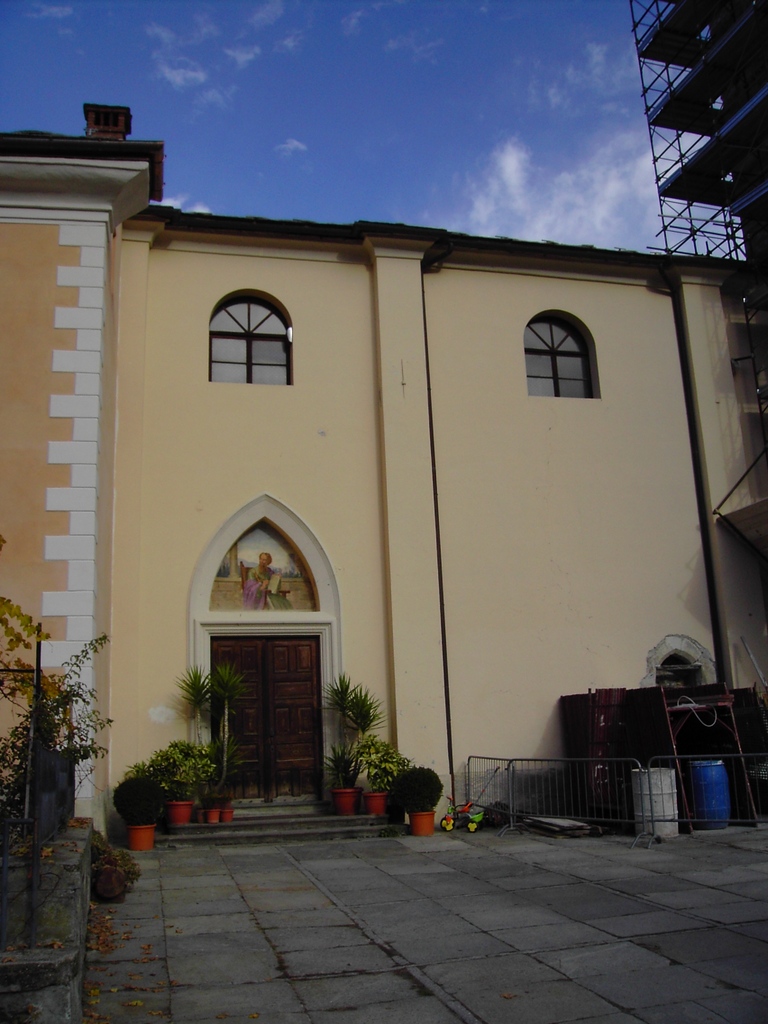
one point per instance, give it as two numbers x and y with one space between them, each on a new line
673 793
713 791
598 791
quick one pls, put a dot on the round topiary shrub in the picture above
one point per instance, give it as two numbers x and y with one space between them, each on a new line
417 789
138 800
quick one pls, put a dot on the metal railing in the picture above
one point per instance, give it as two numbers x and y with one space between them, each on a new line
714 790
48 802
671 794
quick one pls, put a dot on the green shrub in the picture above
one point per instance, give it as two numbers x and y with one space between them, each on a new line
181 768
138 800
382 762
417 789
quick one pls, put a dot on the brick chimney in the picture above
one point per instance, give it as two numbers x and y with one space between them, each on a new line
103 122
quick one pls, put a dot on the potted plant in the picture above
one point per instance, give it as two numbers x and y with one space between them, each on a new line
195 688
382 763
359 710
139 802
342 766
181 769
211 802
418 790
227 684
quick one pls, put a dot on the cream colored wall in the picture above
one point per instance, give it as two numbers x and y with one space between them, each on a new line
570 531
720 414
29 257
191 453
411 549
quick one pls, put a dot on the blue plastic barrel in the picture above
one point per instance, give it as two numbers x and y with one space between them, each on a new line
711 798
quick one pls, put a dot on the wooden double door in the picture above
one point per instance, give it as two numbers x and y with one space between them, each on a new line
278 722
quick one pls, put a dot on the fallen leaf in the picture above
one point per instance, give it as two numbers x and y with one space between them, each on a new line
509 995
134 1002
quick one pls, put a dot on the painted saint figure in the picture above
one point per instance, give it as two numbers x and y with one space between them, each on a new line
261 586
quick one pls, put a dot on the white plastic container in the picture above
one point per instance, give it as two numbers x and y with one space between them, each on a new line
654 795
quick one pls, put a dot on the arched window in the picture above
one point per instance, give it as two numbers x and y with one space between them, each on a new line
557 359
250 343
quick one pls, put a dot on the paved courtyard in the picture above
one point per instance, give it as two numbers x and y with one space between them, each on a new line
459 927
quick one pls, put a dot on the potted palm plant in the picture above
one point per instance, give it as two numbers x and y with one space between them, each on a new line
418 790
359 710
227 684
382 763
139 802
195 688
342 767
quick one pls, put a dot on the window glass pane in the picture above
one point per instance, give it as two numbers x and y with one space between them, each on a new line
574 389
571 344
272 325
231 350
272 352
222 321
538 366
559 334
236 317
229 373
270 375
570 366
540 386
534 339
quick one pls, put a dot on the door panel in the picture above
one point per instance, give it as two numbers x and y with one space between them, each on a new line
278 721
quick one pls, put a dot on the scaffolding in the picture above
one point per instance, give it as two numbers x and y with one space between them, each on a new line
704 72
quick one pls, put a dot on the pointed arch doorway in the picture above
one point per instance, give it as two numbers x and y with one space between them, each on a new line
278 721
286 653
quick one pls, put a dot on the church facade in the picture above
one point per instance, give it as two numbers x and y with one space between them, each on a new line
474 474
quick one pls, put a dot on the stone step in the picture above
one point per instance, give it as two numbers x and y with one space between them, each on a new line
224 835
274 824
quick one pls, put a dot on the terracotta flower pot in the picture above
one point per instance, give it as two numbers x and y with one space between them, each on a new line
141 837
179 812
213 815
422 823
227 813
375 803
346 801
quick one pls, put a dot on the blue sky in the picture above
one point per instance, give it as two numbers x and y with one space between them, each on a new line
495 117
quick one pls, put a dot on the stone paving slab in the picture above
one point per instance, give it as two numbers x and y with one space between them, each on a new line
552 936
652 922
472 929
655 986
703 944
733 1008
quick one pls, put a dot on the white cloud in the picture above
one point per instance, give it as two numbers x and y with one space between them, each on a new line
290 44
419 51
181 73
49 11
170 63
267 14
601 74
179 202
290 146
215 97
243 55
350 25
608 199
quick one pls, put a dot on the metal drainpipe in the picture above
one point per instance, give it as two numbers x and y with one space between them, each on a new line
431 261
697 462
